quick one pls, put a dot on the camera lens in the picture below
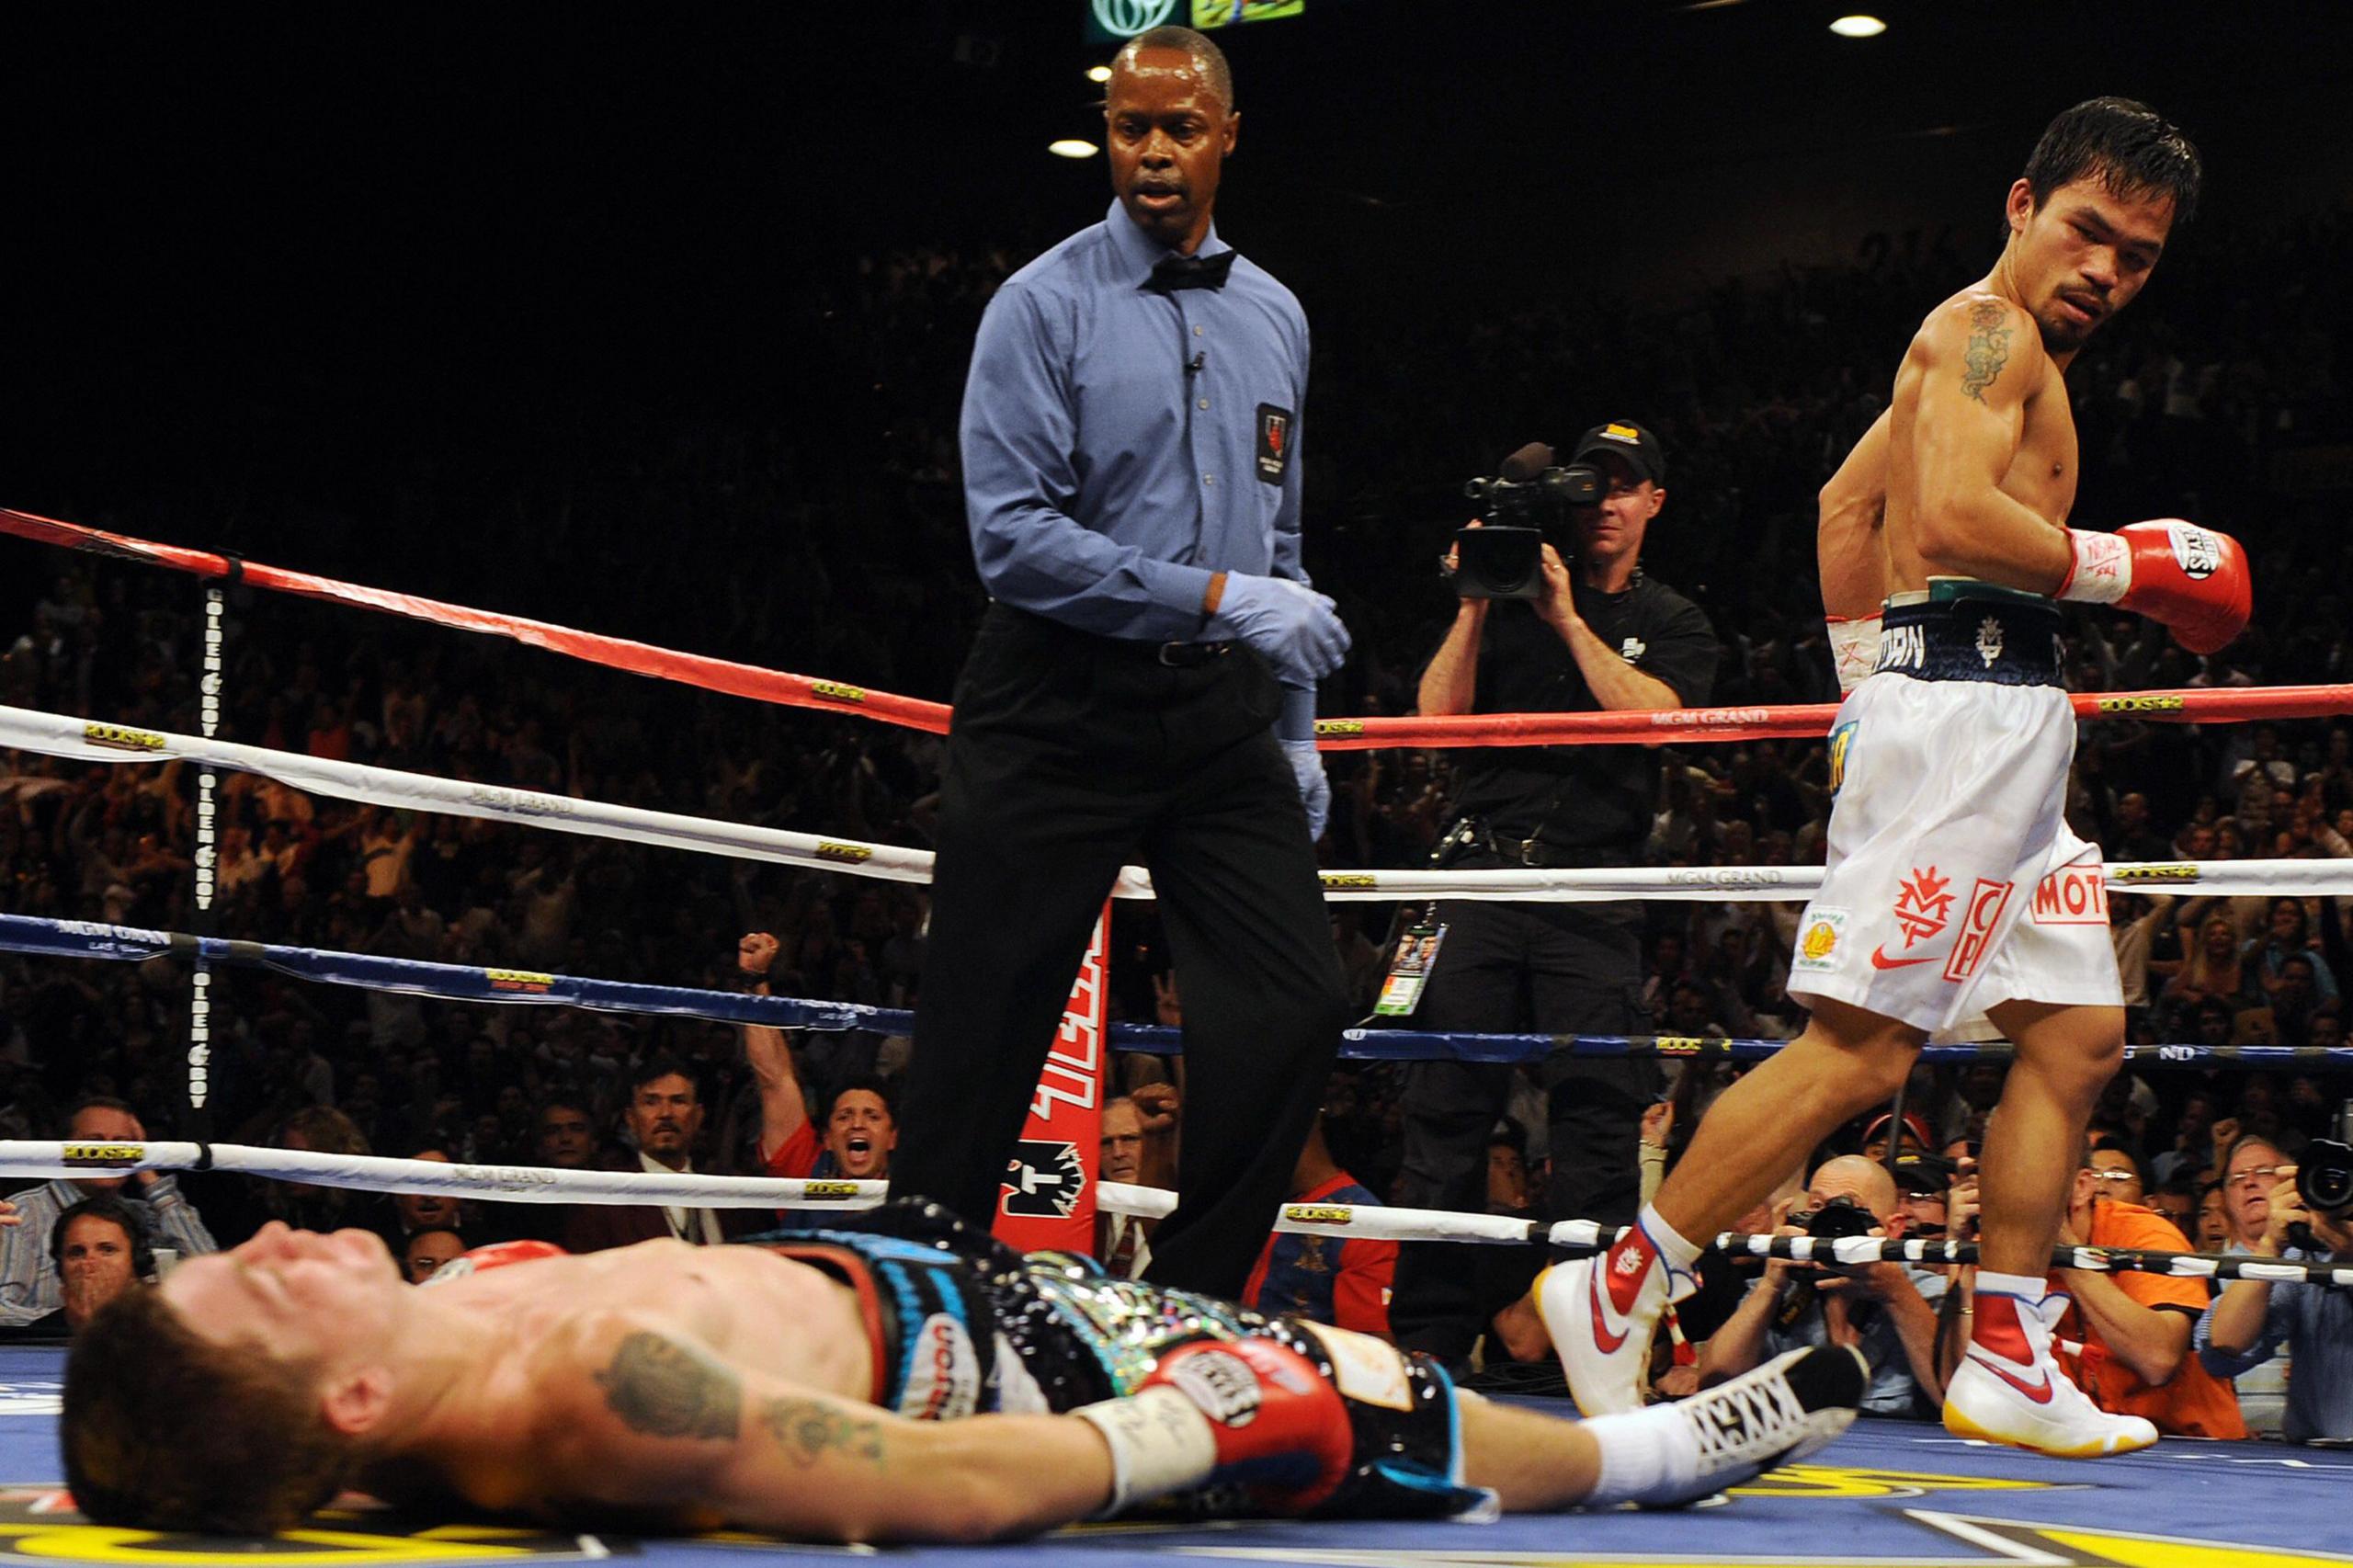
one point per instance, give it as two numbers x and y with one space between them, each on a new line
1837 1219
2324 1177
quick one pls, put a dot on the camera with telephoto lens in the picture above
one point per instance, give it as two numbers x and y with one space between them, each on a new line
1835 1220
1529 501
2325 1176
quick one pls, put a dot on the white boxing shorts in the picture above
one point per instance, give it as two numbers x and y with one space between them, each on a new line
1952 883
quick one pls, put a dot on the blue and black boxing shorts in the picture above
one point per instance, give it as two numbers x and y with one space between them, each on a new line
961 1324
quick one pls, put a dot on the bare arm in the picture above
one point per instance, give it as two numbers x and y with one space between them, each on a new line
784 1106
645 1421
1973 365
1850 539
1616 684
1451 681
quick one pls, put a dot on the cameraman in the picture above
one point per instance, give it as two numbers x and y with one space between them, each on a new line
1601 635
2246 1325
1882 1309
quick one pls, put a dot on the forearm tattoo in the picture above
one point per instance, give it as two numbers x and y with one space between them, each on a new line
808 1430
1989 348
664 1389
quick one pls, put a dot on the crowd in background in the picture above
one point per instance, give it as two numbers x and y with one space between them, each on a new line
2225 398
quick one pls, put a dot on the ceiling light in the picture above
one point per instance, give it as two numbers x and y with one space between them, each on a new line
1098 73
1072 147
1858 27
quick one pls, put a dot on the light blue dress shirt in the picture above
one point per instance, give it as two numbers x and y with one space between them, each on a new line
2315 1322
1121 444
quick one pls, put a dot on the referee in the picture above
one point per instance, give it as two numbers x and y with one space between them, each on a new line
1143 686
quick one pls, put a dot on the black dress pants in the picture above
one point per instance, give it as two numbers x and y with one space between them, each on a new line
1508 968
1069 755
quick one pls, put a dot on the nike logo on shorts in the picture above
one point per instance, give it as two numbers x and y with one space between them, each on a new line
1880 961
2040 1394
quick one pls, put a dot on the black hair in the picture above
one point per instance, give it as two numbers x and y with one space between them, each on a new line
1207 54
98 1102
2133 150
871 1085
114 1210
662 1064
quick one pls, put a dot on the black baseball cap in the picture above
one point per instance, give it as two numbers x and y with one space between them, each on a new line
1924 1174
1631 441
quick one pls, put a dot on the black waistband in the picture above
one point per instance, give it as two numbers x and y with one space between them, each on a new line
1989 636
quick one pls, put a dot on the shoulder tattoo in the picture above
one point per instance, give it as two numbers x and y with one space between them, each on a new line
1989 348
807 1430
669 1390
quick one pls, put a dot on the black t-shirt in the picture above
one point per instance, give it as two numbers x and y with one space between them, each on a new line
1578 796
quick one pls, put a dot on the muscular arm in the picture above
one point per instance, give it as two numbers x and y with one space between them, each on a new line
1850 539
1972 368
644 1420
1451 681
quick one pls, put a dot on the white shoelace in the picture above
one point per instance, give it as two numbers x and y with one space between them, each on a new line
1745 1420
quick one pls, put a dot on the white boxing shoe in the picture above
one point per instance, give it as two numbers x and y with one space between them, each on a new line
2008 1389
1670 1456
1602 1313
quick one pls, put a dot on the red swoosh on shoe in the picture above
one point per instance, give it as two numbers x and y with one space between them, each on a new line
1607 1341
2040 1395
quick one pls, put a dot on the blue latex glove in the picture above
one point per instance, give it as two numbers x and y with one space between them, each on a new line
1315 789
1295 627
1295 727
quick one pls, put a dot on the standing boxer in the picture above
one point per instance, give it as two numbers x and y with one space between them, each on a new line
1954 758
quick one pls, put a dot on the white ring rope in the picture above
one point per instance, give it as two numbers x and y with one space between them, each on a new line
541 1184
53 735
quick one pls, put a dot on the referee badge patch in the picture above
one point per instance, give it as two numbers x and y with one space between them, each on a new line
1275 426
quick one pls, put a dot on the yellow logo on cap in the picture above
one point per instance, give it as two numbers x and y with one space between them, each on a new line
1622 432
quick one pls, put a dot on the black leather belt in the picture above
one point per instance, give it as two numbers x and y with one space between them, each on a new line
1192 655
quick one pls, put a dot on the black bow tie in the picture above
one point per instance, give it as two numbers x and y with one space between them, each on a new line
1173 272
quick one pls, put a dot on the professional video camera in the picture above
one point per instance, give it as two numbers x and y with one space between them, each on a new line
1529 499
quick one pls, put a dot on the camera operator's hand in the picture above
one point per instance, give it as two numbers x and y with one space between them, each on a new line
1558 606
1961 1208
1295 627
2287 1208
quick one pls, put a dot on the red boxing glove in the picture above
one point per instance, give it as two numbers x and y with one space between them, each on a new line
1250 1412
2192 580
497 1254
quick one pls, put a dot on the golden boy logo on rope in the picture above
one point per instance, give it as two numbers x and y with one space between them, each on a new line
854 854
115 737
831 1191
2172 871
1319 1213
836 691
1339 726
519 980
1336 881
103 1153
2140 705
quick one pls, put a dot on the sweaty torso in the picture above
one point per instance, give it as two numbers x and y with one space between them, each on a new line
2042 472
746 1305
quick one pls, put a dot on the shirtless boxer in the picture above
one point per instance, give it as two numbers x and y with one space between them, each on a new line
803 1383
1954 758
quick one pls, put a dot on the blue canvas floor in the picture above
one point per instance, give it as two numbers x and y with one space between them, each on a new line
1889 1492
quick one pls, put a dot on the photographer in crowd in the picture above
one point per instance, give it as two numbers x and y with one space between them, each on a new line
1598 634
1885 1310
2310 1217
